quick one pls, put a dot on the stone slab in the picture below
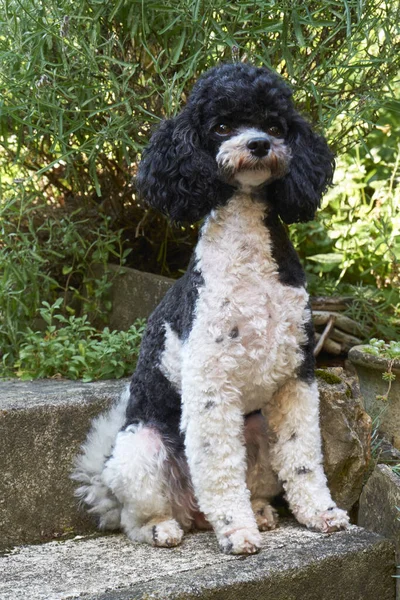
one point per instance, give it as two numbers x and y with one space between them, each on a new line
380 503
42 424
294 564
379 508
134 295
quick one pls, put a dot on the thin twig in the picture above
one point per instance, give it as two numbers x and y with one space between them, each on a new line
325 334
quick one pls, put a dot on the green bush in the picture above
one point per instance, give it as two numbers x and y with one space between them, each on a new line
76 350
353 248
84 81
356 237
45 255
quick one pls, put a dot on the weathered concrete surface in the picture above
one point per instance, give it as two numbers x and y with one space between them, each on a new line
42 425
346 435
134 295
294 564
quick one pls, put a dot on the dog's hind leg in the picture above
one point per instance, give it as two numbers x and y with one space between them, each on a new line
135 473
261 479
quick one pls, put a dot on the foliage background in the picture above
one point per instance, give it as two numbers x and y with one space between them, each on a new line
82 85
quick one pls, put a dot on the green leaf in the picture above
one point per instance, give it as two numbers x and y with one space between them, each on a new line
330 258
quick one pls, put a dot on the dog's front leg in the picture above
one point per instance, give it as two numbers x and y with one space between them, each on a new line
293 416
214 441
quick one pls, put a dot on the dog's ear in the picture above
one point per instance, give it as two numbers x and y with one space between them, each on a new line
298 195
176 175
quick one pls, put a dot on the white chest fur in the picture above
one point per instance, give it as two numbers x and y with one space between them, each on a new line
247 323
248 326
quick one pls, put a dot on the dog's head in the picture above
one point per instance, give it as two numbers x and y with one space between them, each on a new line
238 129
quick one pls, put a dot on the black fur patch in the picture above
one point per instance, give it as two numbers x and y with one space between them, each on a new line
234 332
153 398
227 548
210 404
303 471
290 270
306 371
154 533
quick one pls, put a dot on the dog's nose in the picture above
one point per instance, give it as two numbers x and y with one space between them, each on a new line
258 147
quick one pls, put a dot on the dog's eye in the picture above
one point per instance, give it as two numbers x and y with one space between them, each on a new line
222 129
275 131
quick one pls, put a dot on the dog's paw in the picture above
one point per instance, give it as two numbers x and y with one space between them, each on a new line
329 521
167 534
266 517
241 541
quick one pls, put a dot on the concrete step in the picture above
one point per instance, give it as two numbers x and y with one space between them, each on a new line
294 564
42 424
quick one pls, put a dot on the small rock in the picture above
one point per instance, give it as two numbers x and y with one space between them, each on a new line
346 435
380 505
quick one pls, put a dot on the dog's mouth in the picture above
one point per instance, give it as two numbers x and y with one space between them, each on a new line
242 165
246 163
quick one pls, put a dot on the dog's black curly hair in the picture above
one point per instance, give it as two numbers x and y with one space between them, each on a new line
179 174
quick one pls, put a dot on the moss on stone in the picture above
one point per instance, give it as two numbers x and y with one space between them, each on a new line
328 377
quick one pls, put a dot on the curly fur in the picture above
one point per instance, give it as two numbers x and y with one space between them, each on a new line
223 405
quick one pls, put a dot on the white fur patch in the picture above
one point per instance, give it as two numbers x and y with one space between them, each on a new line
248 325
171 359
249 179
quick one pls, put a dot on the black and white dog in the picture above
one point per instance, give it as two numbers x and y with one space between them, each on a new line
222 411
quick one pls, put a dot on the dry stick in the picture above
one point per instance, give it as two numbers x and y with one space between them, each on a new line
325 334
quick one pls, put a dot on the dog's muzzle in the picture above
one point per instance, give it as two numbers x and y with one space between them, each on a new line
251 157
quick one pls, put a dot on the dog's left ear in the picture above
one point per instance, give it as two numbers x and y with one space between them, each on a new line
298 195
177 176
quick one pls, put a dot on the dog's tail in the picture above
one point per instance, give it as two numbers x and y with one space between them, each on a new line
90 463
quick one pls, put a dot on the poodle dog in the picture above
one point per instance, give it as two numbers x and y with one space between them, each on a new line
223 412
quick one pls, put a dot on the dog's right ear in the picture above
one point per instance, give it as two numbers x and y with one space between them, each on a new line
177 176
